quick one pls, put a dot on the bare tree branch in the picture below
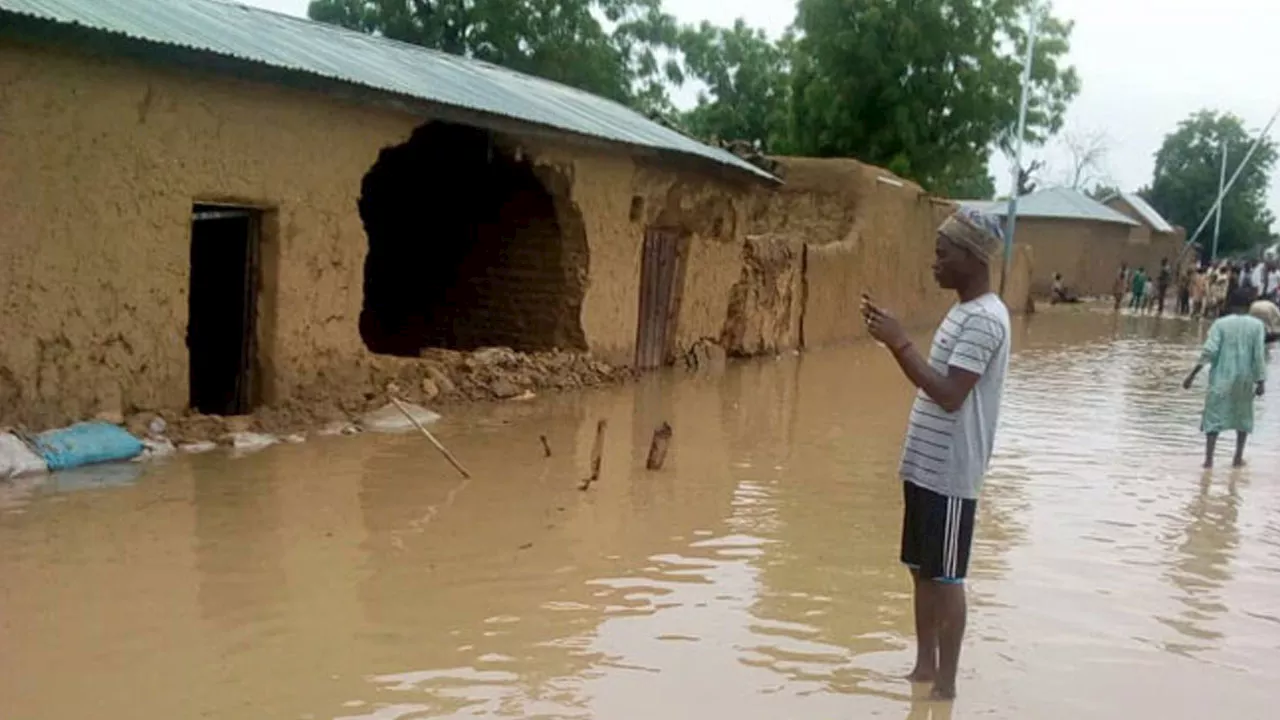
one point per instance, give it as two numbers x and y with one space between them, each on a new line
1086 152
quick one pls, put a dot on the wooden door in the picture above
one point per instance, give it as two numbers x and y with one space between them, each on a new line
660 271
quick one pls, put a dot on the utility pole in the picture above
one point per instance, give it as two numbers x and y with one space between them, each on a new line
1011 219
1217 205
1217 217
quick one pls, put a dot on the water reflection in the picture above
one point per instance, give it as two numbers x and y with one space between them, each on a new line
754 577
1206 535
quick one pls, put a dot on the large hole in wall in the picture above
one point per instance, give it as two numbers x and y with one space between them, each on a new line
469 248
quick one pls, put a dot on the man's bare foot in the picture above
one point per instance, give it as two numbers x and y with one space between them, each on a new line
943 692
1238 462
922 675
1208 464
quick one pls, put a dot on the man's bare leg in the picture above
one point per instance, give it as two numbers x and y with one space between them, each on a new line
1210 445
1241 439
951 611
926 668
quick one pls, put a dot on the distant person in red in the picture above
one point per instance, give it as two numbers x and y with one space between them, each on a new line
949 435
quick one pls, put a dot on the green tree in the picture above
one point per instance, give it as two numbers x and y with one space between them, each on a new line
1185 183
613 48
748 84
923 87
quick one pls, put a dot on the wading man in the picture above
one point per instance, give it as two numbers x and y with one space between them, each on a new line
949 435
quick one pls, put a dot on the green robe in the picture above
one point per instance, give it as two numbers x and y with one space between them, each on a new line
1235 350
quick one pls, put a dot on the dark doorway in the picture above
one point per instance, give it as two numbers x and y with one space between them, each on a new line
470 245
222 308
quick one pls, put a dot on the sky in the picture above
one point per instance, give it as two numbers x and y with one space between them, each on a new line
1144 65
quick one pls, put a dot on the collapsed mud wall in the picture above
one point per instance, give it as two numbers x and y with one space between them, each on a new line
766 303
95 250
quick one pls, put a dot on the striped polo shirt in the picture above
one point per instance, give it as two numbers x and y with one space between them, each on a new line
948 452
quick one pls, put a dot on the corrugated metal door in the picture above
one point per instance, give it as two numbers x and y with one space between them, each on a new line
659 272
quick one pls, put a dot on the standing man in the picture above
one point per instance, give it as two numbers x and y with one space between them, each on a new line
1162 285
949 436
1138 290
1121 285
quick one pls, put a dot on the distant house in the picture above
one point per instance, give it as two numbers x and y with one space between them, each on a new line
1138 209
1070 233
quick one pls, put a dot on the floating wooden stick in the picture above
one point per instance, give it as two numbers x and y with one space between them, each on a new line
443 450
658 447
546 446
597 451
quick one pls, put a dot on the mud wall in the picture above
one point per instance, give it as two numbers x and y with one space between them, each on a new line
1088 254
99 166
836 229
103 159
619 198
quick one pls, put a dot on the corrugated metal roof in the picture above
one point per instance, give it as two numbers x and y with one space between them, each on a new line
1143 208
281 41
1062 203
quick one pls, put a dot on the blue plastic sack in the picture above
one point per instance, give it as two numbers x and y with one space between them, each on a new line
85 444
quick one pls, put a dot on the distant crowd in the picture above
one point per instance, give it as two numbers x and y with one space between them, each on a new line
1203 290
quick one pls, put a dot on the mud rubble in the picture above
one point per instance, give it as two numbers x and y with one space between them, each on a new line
437 379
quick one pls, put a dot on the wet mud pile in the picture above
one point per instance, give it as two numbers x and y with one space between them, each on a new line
437 379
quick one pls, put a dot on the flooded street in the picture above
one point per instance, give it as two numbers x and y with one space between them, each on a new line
755 577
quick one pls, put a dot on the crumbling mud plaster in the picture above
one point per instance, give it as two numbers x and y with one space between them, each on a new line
100 163
836 229
765 304
103 160
617 198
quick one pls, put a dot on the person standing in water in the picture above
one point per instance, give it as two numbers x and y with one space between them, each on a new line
1138 290
1163 279
949 436
1236 352
1121 285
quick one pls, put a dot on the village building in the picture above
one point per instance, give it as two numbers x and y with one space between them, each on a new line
1069 233
216 207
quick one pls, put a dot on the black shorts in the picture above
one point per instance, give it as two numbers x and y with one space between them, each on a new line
937 532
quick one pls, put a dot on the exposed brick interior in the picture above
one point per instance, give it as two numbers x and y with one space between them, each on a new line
467 249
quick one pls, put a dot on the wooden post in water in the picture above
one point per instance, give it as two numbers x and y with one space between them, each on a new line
597 451
658 447
443 450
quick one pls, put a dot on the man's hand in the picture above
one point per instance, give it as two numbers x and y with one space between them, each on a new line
1262 388
883 326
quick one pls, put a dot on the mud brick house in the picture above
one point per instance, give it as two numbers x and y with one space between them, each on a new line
210 206
1070 233
278 199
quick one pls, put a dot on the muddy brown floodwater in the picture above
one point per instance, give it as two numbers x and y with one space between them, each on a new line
755 577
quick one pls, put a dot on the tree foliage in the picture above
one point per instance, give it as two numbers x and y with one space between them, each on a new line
746 74
924 87
613 48
1185 182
